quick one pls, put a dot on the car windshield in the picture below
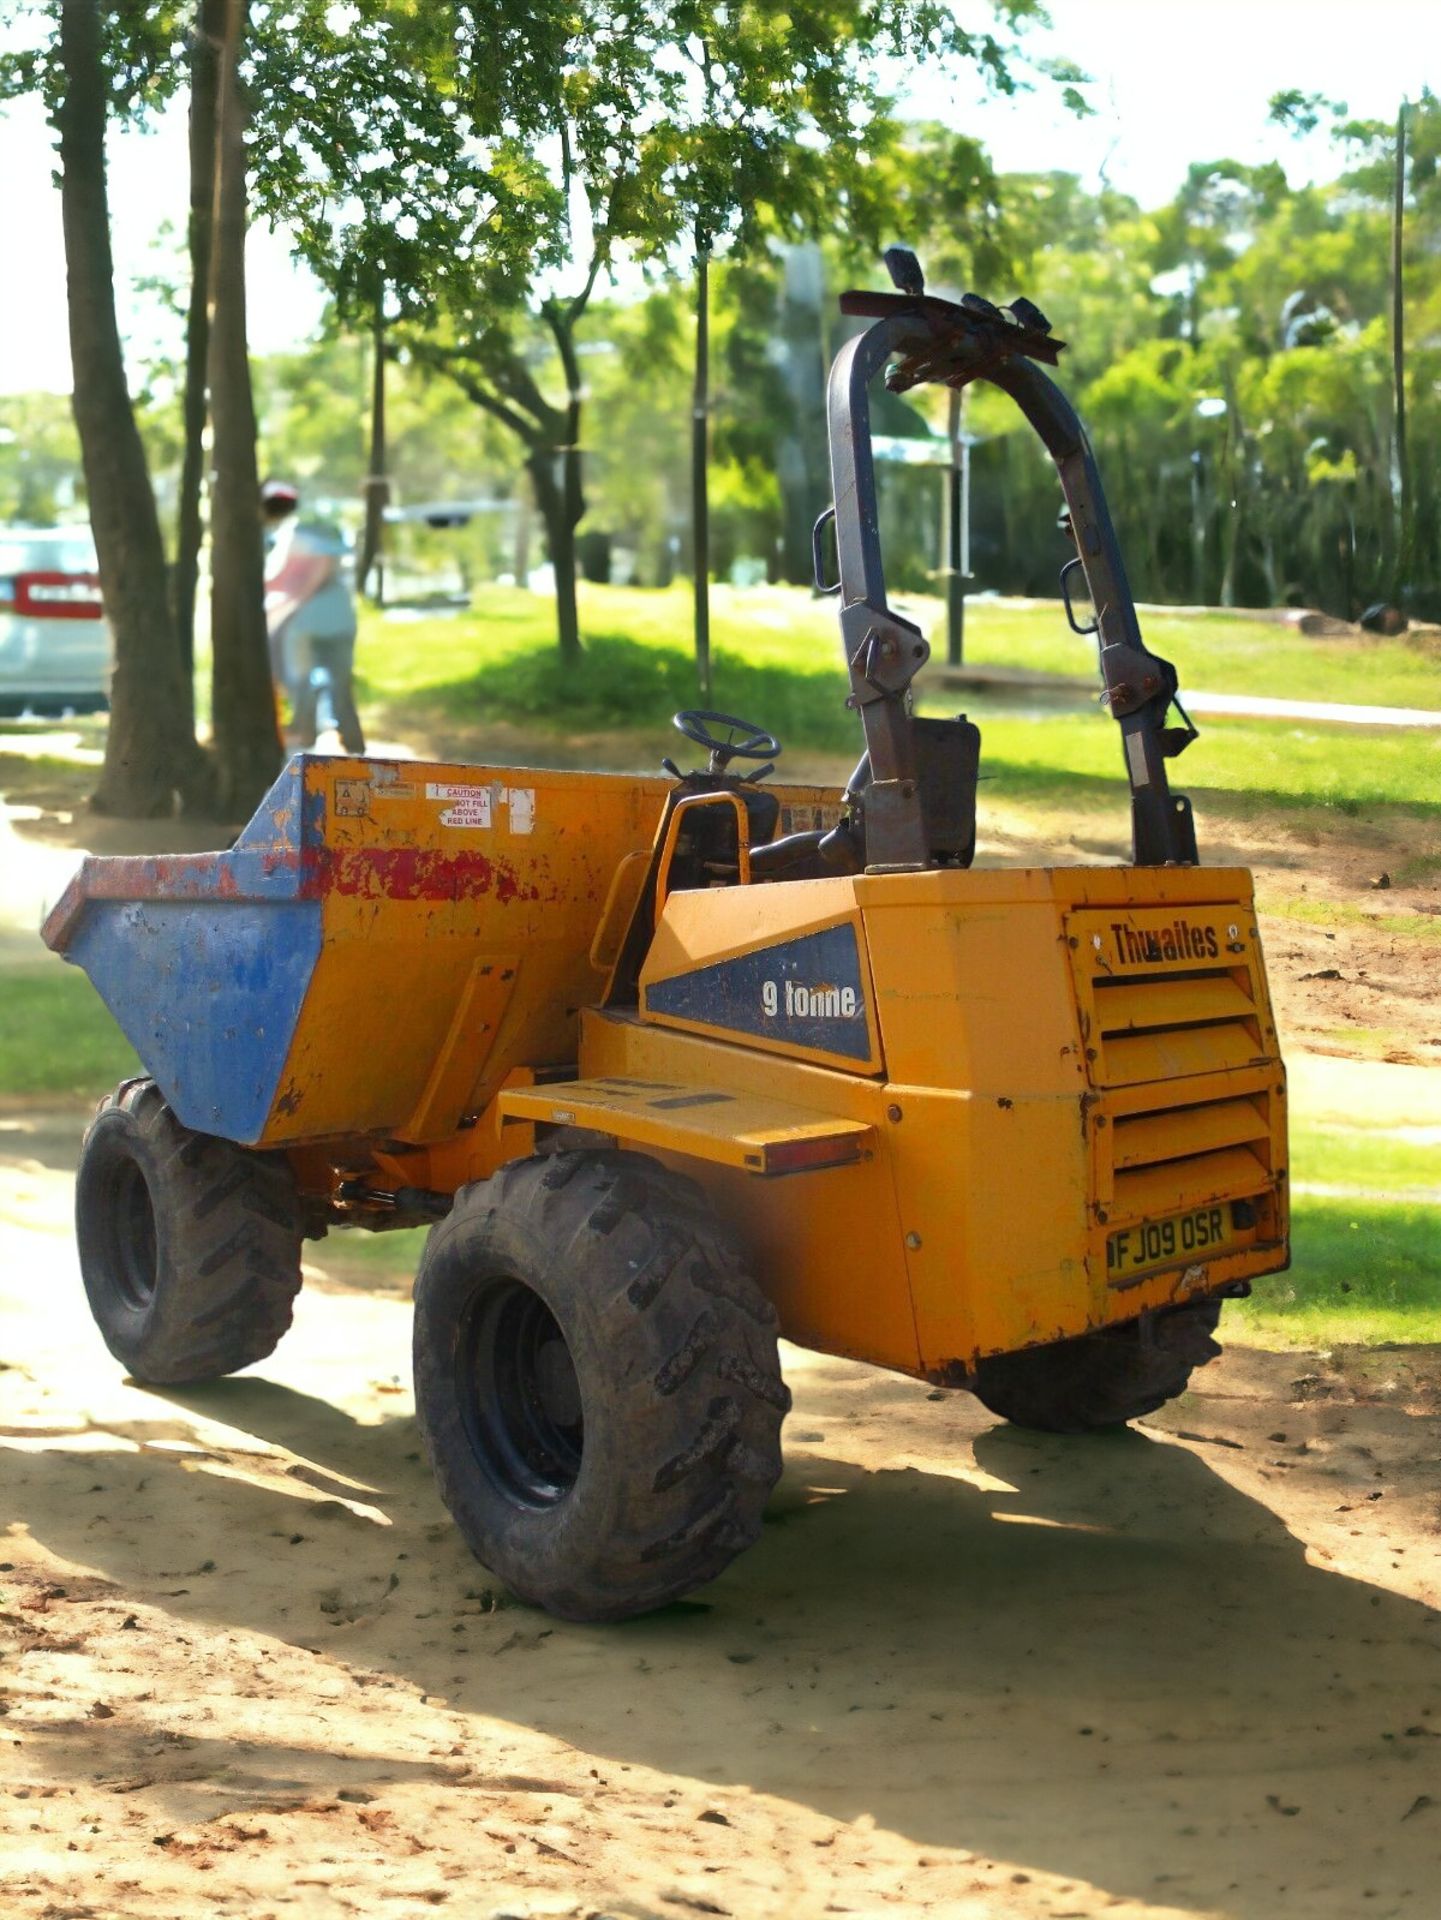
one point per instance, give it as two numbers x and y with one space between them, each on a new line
46 553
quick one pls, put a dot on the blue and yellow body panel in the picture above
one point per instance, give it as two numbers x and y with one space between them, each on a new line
951 1112
384 944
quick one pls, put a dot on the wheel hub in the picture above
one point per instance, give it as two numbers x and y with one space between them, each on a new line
520 1395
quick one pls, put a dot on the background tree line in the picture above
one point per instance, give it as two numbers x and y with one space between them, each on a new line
1230 351
462 178
615 233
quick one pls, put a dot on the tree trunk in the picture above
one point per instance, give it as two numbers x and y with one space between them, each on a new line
551 439
1398 362
204 43
150 751
247 738
1234 502
562 519
954 554
556 512
567 611
520 563
699 461
1198 530
377 485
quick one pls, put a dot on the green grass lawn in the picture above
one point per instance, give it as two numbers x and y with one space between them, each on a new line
1369 1160
777 660
1220 652
1365 1257
1363 1271
57 1039
1253 763
782 643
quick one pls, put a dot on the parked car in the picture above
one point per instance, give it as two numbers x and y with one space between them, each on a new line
55 652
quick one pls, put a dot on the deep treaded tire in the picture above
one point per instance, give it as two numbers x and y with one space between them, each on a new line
1102 1379
597 1382
189 1245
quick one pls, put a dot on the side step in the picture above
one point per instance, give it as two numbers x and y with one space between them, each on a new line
729 1129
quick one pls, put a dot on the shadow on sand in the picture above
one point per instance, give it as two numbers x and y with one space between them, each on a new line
1109 1664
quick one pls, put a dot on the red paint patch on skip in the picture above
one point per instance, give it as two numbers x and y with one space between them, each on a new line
410 873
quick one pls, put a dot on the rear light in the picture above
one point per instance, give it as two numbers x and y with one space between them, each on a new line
53 596
815 1150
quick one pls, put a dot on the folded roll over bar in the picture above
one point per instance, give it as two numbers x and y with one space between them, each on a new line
921 338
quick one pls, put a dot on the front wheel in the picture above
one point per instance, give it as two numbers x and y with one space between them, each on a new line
597 1383
1101 1379
189 1245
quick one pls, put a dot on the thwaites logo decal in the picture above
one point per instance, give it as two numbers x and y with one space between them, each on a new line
805 992
1181 939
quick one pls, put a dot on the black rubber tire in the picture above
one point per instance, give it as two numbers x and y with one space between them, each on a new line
189 1245
622 1485
1101 1379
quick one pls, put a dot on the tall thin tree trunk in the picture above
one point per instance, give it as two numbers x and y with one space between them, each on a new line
377 483
1198 529
247 737
150 751
565 488
1233 469
204 43
1398 357
567 611
555 512
699 462
520 562
956 527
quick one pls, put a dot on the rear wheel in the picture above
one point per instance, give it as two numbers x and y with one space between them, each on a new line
189 1245
1101 1379
597 1382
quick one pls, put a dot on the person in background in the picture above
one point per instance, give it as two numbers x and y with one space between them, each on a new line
309 613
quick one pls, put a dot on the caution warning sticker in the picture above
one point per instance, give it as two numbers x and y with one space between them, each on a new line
469 806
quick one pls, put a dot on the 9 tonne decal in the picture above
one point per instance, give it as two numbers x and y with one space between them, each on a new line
805 992
800 1002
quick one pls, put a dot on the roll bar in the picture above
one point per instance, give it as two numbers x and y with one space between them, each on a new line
921 338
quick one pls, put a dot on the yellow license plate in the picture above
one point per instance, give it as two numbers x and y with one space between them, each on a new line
1156 1243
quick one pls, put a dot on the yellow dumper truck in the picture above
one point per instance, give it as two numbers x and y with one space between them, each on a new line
676 1065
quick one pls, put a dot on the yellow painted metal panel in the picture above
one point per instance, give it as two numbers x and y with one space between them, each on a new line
479 1009
717 922
1132 1058
425 872
1147 1193
994 1203
972 996
1195 1090
1175 1132
620 905
733 1129
1162 1002
1137 997
1112 890
827 1249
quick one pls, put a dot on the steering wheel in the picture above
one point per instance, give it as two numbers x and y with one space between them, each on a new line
754 742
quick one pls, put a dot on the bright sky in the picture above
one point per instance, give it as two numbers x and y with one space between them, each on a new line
1175 81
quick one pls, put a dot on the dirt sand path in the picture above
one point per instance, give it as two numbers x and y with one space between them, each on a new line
1194 1669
